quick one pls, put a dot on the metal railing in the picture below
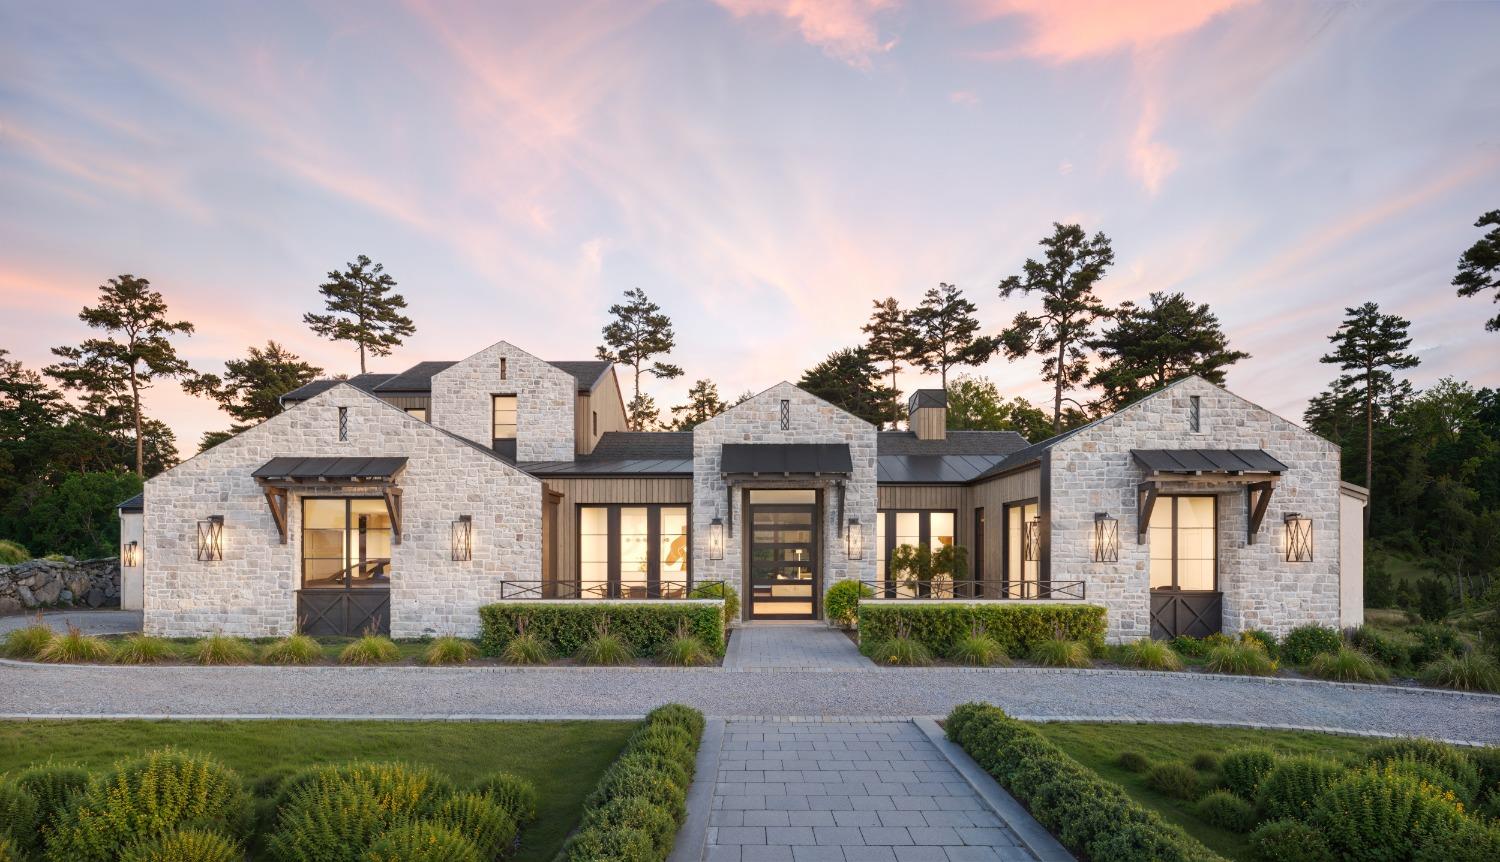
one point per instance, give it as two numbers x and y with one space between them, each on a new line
944 588
663 589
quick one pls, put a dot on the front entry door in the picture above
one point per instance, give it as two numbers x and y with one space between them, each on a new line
783 562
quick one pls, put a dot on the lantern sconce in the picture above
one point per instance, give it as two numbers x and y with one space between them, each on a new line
130 555
1031 540
716 539
1299 538
1106 538
211 539
463 538
855 536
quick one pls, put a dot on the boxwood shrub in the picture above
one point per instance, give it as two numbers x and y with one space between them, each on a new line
640 802
565 626
1087 814
1017 626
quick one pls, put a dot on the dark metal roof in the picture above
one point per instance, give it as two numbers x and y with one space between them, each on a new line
417 378
587 372
802 458
330 468
1192 461
611 467
134 504
927 398
362 382
626 445
956 443
931 469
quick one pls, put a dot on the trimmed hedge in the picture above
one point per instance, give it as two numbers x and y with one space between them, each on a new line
640 802
1088 815
1018 627
564 627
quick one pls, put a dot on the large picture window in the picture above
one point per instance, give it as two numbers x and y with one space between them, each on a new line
632 552
346 543
1184 542
1022 549
504 418
928 528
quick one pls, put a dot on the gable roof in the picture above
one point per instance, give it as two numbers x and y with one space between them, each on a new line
418 379
955 443
616 445
586 372
363 382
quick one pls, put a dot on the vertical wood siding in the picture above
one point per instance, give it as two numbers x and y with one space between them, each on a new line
993 495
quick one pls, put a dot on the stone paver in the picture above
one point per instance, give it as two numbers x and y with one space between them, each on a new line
846 792
101 622
792 646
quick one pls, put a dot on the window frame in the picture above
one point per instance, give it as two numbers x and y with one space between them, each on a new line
413 411
494 426
924 533
1171 501
348 584
1005 545
613 585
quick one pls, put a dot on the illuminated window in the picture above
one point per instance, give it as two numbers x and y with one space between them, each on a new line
1184 540
505 417
417 413
632 552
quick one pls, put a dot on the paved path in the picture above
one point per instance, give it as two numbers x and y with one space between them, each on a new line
868 791
92 622
27 689
793 646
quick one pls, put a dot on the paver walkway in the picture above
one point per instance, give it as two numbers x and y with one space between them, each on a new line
111 622
869 791
793 646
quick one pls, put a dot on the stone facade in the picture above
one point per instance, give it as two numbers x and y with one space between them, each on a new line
61 583
252 590
758 420
545 401
1093 471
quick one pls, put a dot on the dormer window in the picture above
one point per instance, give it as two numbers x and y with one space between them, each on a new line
505 417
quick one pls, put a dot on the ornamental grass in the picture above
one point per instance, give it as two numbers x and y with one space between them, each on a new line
74 647
143 649
217 649
293 650
1347 665
370 650
1246 658
28 642
1058 652
448 650
1150 654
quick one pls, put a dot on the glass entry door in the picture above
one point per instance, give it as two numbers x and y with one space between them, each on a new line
783 560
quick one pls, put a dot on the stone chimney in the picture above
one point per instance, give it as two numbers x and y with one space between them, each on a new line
927 414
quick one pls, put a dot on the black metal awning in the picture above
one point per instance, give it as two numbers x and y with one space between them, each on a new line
786 459
302 470
1201 461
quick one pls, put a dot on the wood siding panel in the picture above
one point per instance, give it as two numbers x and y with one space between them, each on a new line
576 491
408 402
605 400
993 495
929 423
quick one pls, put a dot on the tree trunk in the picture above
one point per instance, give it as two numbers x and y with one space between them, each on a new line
1369 441
135 409
361 357
1058 388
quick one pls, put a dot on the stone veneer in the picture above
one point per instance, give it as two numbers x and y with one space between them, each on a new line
1093 471
251 592
545 401
758 420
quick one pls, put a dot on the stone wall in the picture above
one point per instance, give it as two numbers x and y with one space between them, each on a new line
758 420
59 583
252 590
1093 471
545 401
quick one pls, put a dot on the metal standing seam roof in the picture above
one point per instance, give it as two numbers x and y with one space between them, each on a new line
330 468
786 458
1192 461
931 469
610 467
927 398
418 378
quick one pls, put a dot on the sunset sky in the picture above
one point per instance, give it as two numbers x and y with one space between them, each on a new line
762 168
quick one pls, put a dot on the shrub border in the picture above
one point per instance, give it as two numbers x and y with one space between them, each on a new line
1016 626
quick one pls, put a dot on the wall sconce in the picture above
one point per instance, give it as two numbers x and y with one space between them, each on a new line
716 539
1031 540
130 555
1299 538
1106 538
855 535
462 535
211 539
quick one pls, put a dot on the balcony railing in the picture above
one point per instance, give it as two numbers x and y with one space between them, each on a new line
664 589
943 588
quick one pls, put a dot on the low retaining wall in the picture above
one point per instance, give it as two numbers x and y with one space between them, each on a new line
59 583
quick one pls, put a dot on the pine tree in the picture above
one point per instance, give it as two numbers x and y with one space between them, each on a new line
638 334
362 310
1151 346
250 390
1479 267
1074 264
641 414
849 379
1368 347
703 404
113 372
888 342
943 332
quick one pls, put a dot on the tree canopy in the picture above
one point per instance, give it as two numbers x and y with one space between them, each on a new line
1149 346
638 334
250 390
1479 267
975 404
888 340
943 331
703 404
849 379
363 309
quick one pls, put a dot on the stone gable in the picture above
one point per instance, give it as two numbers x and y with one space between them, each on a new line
545 401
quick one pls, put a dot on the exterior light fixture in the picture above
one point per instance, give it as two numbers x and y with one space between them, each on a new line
855 536
716 539
463 538
1299 538
1106 538
211 539
130 555
1031 540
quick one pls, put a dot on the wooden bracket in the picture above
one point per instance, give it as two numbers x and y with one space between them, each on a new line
393 508
1145 501
277 498
1257 499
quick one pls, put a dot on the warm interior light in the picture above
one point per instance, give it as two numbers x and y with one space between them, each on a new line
1031 540
211 539
130 555
716 539
1298 538
1106 538
856 538
463 538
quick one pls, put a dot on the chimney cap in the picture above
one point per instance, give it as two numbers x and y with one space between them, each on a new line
927 398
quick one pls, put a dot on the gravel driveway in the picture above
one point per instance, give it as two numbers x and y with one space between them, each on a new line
487 692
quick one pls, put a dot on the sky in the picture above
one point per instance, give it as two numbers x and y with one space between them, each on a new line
763 169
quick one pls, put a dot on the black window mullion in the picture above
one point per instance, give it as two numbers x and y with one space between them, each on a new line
653 551
612 590
344 550
1176 585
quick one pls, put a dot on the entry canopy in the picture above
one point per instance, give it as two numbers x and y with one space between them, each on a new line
309 470
1231 462
785 459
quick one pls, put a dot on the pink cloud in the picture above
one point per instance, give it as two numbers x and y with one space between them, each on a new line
1073 30
844 29
1150 159
964 97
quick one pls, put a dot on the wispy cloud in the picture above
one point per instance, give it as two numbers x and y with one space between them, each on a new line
1067 31
845 29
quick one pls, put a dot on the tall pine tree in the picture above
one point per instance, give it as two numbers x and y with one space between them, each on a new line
703 404
1065 280
250 390
363 309
888 341
850 380
639 333
943 332
1479 267
1150 346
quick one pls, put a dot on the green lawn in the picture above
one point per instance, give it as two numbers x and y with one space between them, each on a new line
1097 745
565 759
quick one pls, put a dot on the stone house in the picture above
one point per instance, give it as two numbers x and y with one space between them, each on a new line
402 502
